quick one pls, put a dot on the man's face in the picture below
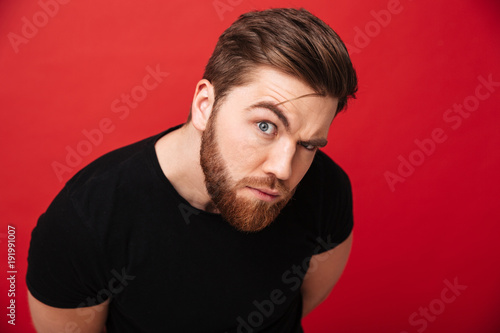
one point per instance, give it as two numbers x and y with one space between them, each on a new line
259 143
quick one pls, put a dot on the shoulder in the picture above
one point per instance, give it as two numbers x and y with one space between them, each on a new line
118 164
110 163
93 191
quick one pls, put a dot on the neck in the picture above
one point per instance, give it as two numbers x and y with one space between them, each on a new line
179 156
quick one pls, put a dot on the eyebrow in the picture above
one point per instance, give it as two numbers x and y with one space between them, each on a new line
320 142
274 109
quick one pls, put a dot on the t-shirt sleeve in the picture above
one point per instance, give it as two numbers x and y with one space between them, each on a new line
65 260
337 207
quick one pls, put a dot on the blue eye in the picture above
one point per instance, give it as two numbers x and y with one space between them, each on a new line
266 127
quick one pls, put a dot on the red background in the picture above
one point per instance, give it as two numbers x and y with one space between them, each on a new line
440 223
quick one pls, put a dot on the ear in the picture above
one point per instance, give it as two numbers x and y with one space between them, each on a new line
203 102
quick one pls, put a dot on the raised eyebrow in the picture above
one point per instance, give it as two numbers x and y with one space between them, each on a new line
315 142
274 109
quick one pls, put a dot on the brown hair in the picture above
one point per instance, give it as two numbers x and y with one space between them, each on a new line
290 40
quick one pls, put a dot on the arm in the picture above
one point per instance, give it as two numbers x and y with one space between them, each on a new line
47 319
323 273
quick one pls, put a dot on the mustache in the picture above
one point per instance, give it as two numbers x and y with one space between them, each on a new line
267 182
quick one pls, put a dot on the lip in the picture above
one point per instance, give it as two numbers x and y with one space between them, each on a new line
265 194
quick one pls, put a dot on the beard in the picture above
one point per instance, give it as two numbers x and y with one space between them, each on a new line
244 214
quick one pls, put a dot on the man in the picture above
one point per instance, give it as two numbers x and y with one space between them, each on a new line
232 222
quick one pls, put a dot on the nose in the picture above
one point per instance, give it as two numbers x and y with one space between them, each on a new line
279 160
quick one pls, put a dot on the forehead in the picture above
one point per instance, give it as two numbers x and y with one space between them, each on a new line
282 86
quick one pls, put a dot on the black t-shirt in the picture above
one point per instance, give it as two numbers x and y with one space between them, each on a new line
119 229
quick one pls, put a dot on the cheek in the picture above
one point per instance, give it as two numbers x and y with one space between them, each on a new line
240 150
